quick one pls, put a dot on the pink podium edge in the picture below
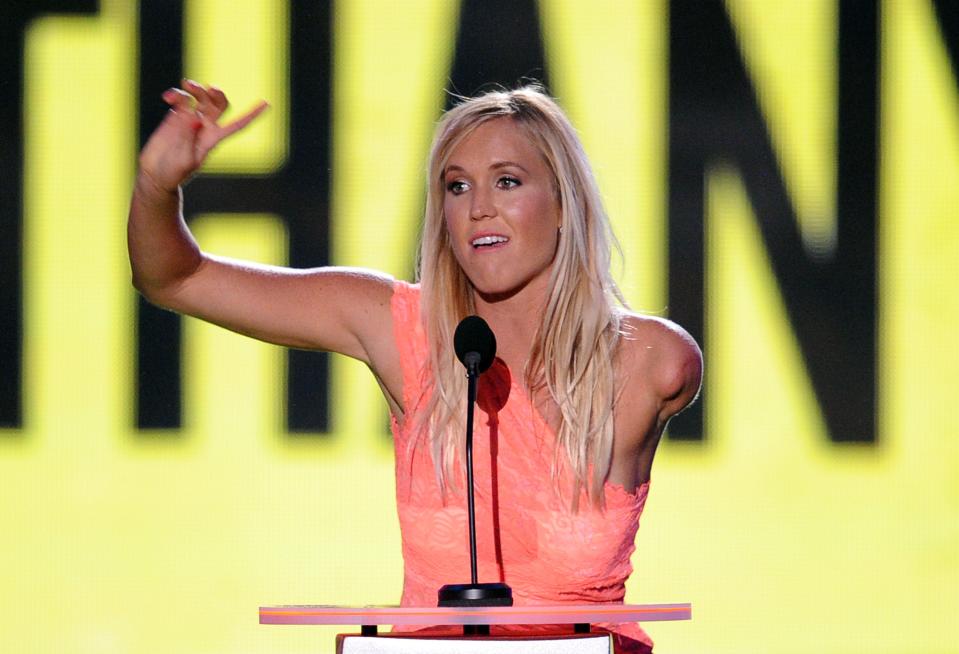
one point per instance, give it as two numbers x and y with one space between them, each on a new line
516 615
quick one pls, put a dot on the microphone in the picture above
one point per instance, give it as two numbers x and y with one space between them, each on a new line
475 344
475 347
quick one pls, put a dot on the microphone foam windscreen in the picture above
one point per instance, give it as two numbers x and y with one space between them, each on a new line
474 335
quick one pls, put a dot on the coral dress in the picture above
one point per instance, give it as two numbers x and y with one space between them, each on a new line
526 534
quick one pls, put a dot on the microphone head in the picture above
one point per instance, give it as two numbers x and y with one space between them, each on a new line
474 339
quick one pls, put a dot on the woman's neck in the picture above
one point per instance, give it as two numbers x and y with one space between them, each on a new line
515 321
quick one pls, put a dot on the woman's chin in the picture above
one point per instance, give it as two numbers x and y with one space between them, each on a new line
492 292
498 285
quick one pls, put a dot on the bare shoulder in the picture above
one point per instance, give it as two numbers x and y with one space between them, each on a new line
663 358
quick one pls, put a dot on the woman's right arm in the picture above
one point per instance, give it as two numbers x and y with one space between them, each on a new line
334 309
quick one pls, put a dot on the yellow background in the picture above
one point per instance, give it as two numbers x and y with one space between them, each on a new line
115 541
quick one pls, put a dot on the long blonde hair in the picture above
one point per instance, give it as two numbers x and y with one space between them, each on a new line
573 350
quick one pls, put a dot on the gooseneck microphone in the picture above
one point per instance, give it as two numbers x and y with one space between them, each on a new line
475 347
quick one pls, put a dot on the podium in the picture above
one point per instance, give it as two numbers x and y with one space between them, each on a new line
569 626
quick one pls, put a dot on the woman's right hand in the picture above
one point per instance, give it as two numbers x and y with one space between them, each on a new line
179 146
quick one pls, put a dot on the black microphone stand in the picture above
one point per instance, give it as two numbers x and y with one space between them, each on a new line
472 363
473 593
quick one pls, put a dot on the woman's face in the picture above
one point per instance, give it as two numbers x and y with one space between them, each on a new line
501 210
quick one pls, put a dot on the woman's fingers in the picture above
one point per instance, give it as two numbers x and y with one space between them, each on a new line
211 102
206 109
245 119
218 98
178 99
212 134
181 143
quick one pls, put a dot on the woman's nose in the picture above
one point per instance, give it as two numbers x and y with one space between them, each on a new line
481 205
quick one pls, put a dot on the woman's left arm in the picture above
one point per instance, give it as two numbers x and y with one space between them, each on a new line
677 368
660 372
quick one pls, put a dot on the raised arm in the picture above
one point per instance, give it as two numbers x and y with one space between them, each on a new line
335 309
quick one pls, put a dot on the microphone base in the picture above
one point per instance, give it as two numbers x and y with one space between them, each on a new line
491 594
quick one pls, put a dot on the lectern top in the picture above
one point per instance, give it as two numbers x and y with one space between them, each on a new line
432 615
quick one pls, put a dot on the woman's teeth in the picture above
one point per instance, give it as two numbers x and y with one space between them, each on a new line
488 240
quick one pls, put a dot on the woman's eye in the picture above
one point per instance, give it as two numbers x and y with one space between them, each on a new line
456 187
508 182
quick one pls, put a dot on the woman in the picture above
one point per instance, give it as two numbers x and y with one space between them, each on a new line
570 414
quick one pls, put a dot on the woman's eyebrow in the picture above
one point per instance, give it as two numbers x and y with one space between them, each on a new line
507 164
495 166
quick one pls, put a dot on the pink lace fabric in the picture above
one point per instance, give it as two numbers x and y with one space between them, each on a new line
526 534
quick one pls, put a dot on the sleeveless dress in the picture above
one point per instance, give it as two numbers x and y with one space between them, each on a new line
526 533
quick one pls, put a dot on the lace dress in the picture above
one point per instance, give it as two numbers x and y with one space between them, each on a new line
526 534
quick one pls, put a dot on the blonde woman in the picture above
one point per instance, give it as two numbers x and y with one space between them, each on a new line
572 410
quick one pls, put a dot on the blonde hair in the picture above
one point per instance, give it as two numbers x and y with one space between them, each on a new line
573 350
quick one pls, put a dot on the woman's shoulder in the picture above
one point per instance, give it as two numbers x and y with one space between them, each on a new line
662 357
649 332
405 301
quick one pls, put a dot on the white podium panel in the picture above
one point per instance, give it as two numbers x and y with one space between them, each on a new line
580 644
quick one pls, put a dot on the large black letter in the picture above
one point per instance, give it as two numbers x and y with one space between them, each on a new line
298 192
714 117
947 13
499 43
17 14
